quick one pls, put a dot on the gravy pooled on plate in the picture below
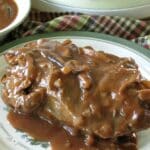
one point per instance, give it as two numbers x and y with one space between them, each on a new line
8 12
66 138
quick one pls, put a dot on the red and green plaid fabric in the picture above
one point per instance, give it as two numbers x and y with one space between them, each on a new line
127 28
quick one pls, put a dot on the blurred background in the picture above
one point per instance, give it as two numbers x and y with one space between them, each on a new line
129 8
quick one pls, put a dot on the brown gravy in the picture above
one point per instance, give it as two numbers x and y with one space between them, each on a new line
8 12
60 139
101 96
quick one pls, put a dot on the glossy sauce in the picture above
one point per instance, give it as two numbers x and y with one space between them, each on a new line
77 86
8 12
60 139
98 94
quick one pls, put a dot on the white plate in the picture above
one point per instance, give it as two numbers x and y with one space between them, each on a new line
11 139
130 8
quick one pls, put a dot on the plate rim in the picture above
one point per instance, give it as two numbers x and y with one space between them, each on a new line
102 36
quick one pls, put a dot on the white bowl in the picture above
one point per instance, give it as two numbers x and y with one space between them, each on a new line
126 8
23 10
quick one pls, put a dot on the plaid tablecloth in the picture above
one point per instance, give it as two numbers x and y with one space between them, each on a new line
128 28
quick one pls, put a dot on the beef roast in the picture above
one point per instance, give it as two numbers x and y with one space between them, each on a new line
90 90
